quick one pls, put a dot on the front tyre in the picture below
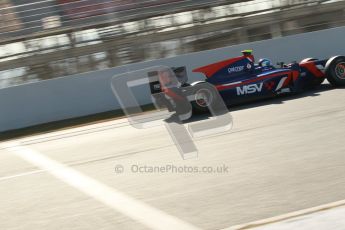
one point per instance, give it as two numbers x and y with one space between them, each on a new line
335 71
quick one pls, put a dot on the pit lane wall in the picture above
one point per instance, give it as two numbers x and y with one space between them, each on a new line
90 93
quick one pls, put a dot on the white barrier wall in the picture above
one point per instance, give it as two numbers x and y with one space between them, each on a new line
90 93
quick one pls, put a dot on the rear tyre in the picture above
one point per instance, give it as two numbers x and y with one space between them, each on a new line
335 71
204 97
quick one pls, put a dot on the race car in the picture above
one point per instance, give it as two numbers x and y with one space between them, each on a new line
240 79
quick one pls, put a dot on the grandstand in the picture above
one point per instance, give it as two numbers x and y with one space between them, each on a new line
54 38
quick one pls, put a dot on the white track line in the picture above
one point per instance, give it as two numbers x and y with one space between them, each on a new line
20 175
136 210
288 216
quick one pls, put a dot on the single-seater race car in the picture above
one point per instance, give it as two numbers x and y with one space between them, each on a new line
240 79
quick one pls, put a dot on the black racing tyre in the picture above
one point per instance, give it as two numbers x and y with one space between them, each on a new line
204 97
335 71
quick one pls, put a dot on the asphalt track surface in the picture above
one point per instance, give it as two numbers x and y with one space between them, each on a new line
283 155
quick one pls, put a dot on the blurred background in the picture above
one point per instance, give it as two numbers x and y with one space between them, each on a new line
45 39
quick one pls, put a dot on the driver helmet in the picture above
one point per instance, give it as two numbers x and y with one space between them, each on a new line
264 62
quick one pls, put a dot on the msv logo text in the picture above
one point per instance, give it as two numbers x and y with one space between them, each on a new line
249 89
